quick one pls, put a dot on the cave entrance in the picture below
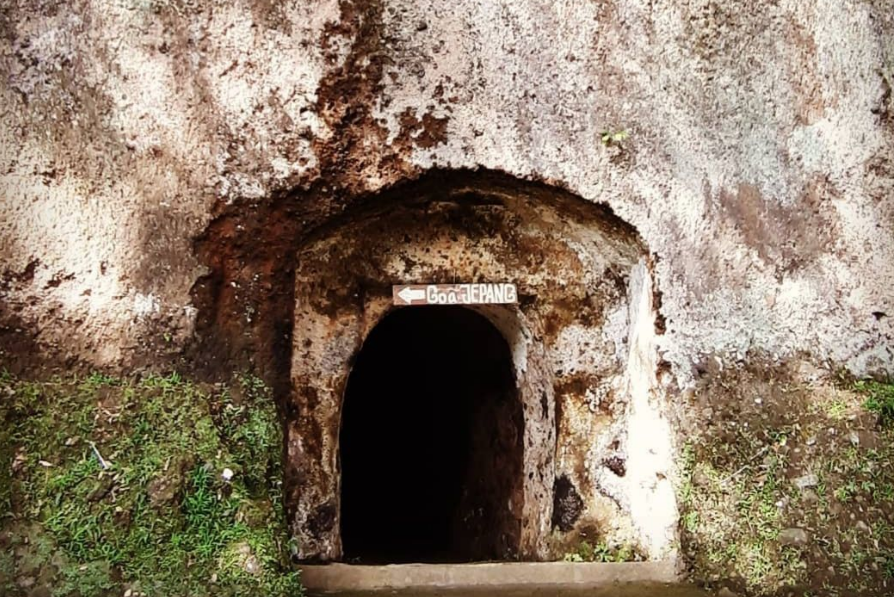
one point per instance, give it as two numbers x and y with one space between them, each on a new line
431 442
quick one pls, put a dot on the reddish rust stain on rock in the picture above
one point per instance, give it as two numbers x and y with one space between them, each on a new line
426 132
345 100
789 237
806 81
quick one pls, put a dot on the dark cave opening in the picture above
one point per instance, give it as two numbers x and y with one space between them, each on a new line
431 443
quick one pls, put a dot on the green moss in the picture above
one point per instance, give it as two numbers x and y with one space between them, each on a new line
7 571
121 484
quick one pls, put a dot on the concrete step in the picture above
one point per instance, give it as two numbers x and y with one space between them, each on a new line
633 579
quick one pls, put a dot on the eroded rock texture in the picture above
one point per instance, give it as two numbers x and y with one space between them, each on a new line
582 340
758 165
165 163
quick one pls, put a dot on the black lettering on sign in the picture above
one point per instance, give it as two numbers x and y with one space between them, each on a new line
455 294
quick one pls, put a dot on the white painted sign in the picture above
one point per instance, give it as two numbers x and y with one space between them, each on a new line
454 294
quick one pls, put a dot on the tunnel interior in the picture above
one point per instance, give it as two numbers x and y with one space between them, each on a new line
431 443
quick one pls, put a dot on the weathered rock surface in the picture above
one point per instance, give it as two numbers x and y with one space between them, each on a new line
794 537
758 167
163 163
805 481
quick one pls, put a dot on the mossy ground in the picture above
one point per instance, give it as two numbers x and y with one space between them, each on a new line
788 489
160 519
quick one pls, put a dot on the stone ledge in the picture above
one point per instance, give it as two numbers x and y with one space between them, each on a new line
573 576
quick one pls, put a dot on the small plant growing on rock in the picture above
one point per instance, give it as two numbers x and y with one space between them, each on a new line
601 552
611 139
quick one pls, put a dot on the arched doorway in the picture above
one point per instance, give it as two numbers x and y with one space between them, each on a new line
582 340
431 442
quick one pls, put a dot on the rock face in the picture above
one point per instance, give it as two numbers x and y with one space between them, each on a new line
582 340
794 537
165 163
757 169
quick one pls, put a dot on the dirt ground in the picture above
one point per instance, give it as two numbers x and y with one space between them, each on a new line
788 486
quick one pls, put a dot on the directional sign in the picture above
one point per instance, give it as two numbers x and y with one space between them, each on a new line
455 294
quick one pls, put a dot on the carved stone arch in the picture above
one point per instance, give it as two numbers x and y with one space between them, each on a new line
570 338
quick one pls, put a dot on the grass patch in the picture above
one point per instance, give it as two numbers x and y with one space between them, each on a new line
879 399
116 484
790 488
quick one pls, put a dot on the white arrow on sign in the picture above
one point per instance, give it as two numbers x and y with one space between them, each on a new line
410 294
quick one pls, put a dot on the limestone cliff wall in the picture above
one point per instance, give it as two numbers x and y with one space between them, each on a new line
159 158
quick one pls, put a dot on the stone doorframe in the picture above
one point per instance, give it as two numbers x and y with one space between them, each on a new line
325 347
583 342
